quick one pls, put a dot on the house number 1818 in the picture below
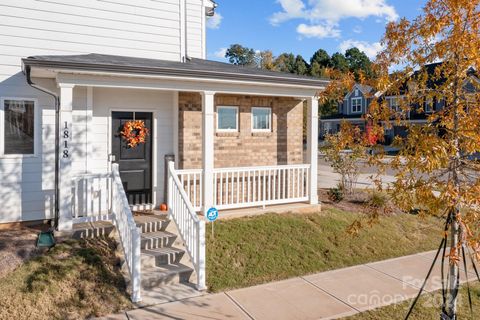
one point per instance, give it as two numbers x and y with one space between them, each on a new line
66 137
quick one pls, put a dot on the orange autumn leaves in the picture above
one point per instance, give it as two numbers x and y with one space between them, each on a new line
134 132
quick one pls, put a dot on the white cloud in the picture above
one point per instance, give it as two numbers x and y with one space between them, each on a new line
291 9
370 49
331 12
220 53
215 21
318 31
357 29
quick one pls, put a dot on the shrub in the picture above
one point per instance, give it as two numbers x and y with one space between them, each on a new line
343 151
336 194
378 200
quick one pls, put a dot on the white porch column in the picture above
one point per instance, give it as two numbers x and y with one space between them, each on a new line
208 128
65 161
312 147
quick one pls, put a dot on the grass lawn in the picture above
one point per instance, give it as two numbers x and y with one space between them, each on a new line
250 251
428 307
74 280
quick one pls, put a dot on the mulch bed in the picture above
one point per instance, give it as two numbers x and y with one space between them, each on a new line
358 202
16 247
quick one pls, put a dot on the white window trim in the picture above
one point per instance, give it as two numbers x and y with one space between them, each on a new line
361 105
236 122
429 105
270 122
36 129
390 103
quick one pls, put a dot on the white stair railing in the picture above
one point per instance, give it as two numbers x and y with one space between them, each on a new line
128 232
190 226
192 181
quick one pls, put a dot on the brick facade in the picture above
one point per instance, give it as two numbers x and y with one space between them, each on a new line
284 145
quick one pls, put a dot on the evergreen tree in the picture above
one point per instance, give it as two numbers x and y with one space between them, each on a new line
339 62
300 66
358 62
285 63
241 56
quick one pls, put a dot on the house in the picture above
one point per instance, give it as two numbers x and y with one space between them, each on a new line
355 105
80 81
352 109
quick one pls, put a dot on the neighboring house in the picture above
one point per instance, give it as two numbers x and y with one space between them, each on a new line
355 106
73 73
352 109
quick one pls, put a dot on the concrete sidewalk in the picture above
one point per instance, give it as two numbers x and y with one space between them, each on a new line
327 295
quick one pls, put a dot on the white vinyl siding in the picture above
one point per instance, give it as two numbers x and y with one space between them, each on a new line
356 105
142 28
27 184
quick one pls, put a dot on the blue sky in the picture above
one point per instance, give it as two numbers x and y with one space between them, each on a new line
304 26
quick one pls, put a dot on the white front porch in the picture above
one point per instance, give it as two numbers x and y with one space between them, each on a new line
101 196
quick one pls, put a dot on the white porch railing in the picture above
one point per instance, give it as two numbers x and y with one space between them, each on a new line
128 232
91 197
190 227
249 186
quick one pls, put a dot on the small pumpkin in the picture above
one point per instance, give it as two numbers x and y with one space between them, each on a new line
163 207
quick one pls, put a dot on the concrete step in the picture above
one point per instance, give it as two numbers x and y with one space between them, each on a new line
90 230
155 240
165 275
161 256
152 223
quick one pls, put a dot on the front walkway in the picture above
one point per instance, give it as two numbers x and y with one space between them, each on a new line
327 295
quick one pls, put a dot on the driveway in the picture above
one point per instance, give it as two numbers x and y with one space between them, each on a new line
329 179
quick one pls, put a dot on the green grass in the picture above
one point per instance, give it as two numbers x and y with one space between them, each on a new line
428 307
74 280
250 251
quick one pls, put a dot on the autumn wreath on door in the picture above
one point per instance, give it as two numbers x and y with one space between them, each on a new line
134 132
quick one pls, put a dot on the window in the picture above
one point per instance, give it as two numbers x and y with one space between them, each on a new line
18 126
227 119
394 103
429 105
261 119
356 105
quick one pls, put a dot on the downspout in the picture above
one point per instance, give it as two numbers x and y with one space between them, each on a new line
57 148
187 57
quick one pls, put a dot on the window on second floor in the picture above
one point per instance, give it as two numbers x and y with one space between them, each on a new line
429 105
394 103
356 105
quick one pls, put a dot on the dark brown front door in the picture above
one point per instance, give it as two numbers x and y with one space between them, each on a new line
135 163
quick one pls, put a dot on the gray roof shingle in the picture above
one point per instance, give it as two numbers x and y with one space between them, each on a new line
198 68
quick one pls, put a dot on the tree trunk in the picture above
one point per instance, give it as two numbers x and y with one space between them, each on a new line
454 283
453 272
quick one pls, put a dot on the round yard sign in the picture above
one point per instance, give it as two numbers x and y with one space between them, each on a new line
212 214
